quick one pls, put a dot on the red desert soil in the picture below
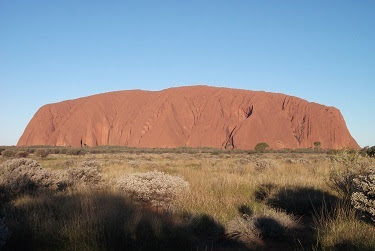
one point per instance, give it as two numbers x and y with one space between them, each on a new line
195 116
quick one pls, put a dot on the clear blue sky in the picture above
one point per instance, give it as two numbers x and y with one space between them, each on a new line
322 51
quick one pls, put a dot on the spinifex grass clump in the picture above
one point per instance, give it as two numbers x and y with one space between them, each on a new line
268 224
155 188
340 229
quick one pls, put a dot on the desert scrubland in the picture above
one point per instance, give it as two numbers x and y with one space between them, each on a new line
185 199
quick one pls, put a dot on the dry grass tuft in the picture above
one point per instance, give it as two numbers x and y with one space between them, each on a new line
339 229
244 230
267 224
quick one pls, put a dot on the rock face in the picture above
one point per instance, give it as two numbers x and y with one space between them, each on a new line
195 116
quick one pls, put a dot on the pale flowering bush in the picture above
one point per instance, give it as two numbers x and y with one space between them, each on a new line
88 174
346 167
26 176
4 233
155 188
363 198
355 181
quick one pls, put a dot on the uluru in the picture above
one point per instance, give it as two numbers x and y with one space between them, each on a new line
192 116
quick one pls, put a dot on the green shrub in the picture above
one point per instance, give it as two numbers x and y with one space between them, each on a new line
333 152
30 150
54 150
363 151
7 153
371 151
317 144
21 154
43 153
261 147
63 150
75 151
303 150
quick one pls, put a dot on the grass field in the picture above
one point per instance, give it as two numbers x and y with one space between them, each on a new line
234 201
